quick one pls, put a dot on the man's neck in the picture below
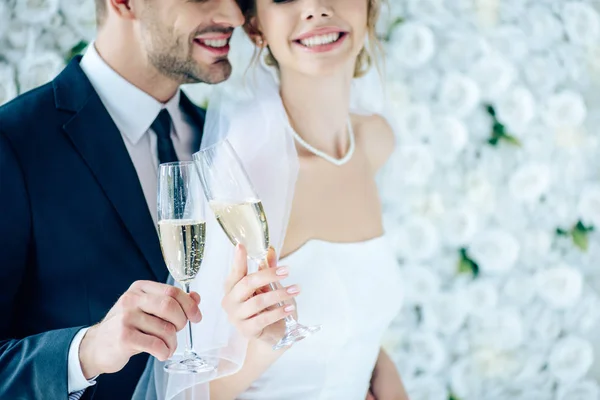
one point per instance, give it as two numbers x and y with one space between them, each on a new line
129 62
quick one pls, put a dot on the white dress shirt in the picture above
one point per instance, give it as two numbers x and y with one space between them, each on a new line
133 112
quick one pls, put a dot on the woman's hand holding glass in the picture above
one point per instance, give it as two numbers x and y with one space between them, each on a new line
251 305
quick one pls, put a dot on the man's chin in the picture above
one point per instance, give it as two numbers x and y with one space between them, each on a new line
216 73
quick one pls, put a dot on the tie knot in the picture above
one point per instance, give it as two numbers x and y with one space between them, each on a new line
162 124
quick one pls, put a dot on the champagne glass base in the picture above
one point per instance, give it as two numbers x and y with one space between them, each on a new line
191 364
296 334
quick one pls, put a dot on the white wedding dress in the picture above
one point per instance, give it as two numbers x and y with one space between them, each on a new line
353 290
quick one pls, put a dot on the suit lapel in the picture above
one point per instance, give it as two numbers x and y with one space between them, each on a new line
197 116
99 142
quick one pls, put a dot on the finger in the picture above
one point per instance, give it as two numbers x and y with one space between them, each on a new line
154 326
262 302
257 324
139 342
370 396
196 297
272 258
246 288
186 302
239 269
165 308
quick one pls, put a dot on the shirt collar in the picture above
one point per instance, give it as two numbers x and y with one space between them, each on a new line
132 109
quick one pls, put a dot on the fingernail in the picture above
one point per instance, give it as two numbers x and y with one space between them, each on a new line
293 290
290 308
282 271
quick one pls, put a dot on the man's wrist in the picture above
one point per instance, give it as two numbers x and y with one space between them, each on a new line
90 371
76 379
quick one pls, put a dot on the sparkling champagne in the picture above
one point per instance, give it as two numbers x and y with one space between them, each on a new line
182 243
245 223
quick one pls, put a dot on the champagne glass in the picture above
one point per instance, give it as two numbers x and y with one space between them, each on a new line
182 231
240 213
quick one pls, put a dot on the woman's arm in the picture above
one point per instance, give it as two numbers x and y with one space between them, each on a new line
251 308
259 357
385 382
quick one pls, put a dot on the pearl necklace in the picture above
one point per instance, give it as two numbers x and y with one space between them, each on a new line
336 161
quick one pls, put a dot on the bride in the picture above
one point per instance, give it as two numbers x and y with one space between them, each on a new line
339 270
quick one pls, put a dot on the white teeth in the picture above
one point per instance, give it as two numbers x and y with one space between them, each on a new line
320 40
215 43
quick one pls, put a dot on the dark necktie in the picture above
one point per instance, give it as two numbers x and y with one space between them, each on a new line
162 127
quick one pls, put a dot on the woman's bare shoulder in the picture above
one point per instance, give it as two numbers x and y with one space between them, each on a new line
375 134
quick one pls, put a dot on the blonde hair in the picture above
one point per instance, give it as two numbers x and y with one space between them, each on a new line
369 55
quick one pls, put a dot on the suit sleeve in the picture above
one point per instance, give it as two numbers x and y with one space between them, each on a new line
33 367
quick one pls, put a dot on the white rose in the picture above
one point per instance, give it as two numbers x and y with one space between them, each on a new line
427 388
519 289
495 251
465 379
4 19
18 34
427 352
459 95
8 87
589 205
585 390
535 244
81 15
199 93
414 123
543 73
494 76
530 182
398 95
427 204
545 324
480 192
542 27
445 313
432 12
499 329
570 359
582 23
33 12
448 139
533 364
461 51
517 108
560 287
413 44
416 239
495 365
39 69
564 110
487 12
420 283
482 297
459 226
65 38
583 318
414 165
511 42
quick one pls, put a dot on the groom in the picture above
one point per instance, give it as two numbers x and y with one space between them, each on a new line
78 162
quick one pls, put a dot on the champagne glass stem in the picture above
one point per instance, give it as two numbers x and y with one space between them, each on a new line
290 321
190 341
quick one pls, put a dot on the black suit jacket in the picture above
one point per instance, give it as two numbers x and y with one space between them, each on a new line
75 233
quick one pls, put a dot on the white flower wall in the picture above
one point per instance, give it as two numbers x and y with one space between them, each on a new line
491 198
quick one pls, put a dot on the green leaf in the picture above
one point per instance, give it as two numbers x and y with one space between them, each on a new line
76 50
453 397
580 238
466 265
511 140
562 232
396 23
